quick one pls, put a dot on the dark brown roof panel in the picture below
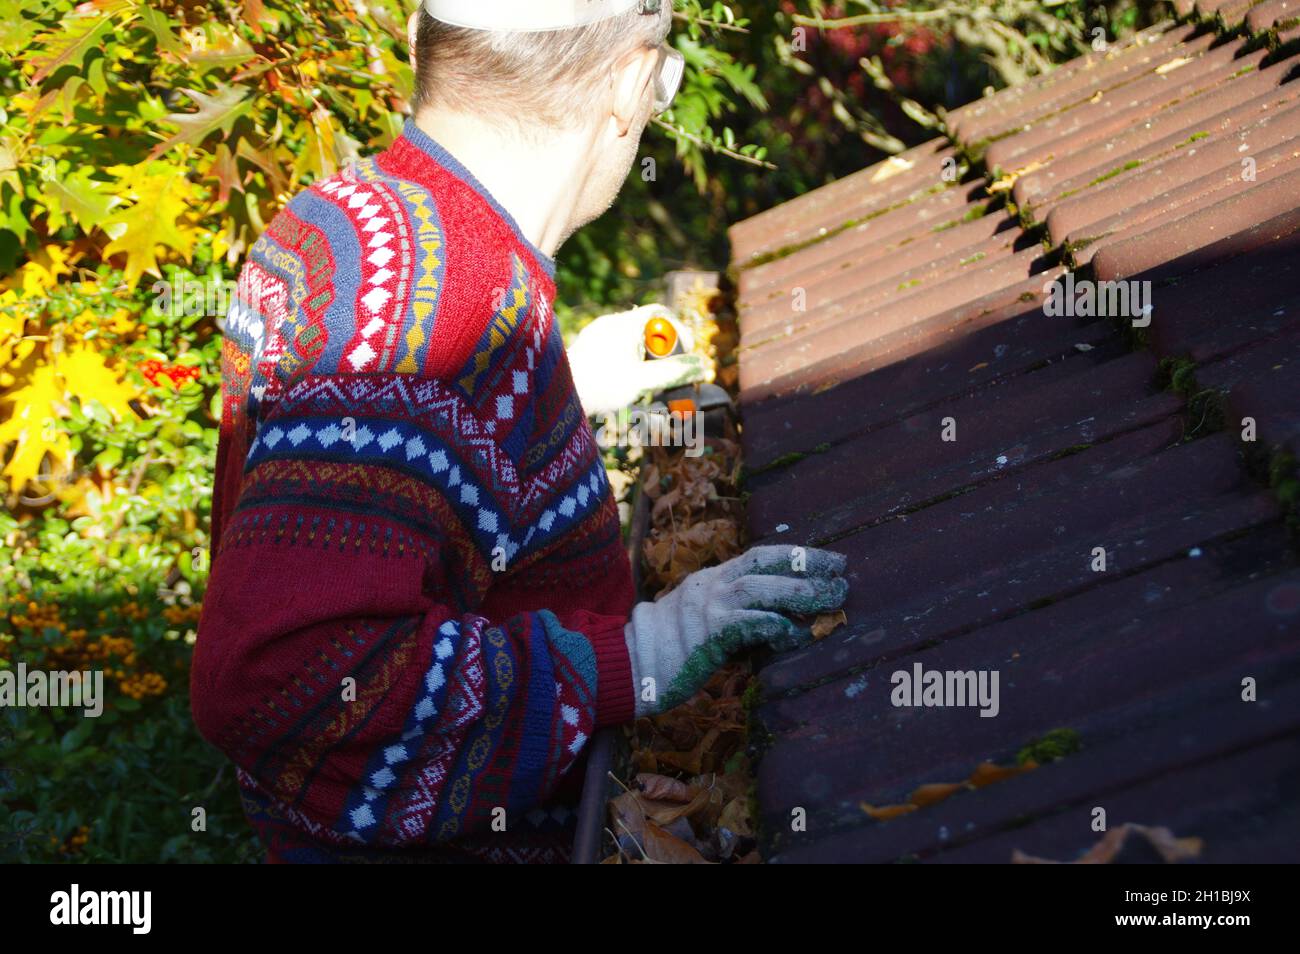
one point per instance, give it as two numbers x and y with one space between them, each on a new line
1229 13
1009 546
1075 82
1167 758
1219 187
823 211
827 352
1243 810
1193 318
1054 649
1001 430
955 353
978 553
941 208
1131 199
1235 226
1261 383
906 251
840 293
1231 105
1109 113
1274 13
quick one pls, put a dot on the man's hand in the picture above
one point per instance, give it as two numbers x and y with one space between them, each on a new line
608 364
683 638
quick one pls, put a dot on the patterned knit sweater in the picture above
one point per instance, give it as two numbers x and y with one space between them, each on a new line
415 613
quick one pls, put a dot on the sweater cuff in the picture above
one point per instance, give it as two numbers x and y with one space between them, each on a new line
615 694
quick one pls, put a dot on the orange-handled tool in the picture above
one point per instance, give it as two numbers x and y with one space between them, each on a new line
660 338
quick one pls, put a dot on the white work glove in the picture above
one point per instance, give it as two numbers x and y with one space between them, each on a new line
682 639
610 370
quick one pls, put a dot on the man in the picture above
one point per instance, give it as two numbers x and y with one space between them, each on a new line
419 608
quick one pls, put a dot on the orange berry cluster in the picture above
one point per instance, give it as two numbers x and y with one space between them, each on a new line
79 653
130 610
142 685
181 615
38 617
76 841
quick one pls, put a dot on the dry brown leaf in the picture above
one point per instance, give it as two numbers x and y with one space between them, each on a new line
886 812
627 814
1175 63
650 481
665 813
664 789
736 817
1170 848
690 761
668 849
935 792
891 167
672 555
1007 181
644 760
986 773
665 502
827 623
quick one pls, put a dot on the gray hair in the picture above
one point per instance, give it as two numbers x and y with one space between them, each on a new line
531 78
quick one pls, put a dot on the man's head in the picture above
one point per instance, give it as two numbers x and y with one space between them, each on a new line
593 84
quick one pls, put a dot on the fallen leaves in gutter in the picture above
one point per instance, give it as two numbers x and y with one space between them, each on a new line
689 801
695 511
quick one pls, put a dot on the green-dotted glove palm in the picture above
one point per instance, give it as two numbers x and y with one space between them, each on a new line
608 364
678 642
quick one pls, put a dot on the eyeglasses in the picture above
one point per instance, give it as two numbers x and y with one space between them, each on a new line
668 77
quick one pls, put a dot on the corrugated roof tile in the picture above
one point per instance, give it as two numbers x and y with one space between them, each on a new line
1075 82
1273 13
1124 203
978 553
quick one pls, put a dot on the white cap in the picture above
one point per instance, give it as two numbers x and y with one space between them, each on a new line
526 16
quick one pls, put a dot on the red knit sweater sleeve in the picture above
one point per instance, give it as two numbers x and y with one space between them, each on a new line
337 667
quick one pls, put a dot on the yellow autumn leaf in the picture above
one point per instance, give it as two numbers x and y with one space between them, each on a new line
327 147
11 332
87 377
33 428
159 216
40 273
220 243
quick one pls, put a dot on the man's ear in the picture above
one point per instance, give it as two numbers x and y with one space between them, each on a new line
632 78
412 28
